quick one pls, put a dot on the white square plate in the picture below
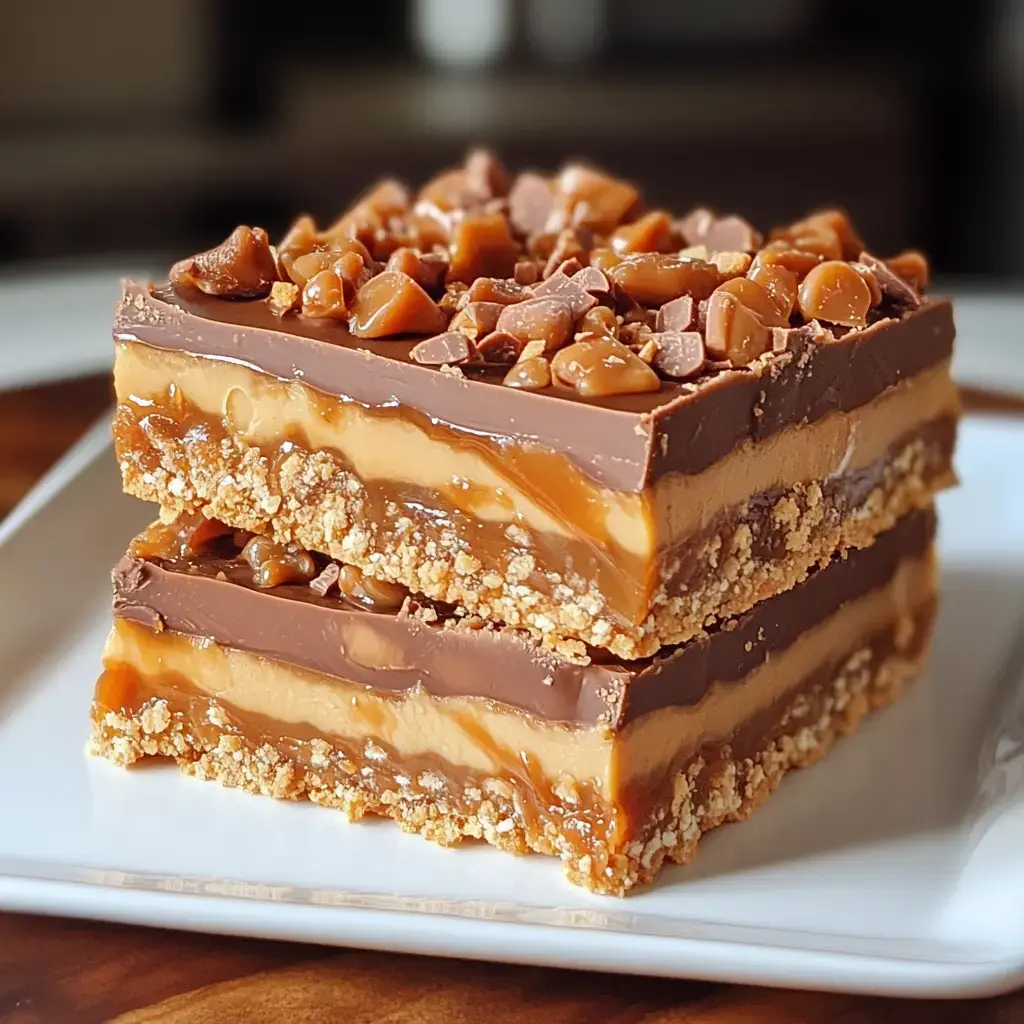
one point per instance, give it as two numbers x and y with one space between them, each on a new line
894 867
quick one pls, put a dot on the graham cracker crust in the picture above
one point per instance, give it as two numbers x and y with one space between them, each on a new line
717 786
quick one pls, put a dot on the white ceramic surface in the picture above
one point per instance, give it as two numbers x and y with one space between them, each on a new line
892 867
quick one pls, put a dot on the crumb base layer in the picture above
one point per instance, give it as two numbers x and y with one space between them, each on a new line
724 782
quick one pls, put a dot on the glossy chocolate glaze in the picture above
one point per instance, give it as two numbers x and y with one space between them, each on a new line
624 441
214 597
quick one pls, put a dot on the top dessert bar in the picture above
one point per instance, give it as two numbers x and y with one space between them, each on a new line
543 402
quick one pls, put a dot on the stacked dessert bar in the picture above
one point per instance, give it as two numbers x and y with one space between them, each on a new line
518 510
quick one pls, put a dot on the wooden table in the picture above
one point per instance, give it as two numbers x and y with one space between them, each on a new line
77 971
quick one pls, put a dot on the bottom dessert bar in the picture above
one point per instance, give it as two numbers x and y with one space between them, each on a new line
457 730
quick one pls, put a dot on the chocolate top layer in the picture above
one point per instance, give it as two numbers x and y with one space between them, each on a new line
625 442
214 597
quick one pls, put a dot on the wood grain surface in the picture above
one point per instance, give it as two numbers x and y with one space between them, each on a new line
79 972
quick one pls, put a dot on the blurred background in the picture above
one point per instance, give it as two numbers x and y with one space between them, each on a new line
135 133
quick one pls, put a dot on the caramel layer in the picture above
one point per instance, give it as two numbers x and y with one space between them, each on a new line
527 516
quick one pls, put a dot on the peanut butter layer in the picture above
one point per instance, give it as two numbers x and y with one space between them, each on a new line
623 442
613 805
525 537
215 595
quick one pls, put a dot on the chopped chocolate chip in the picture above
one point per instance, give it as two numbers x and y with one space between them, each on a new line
327 579
485 176
241 267
892 284
677 315
545 319
477 319
695 225
680 353
451 348
595 281
791 339
530 201
499 347
561 286
569 244
733 234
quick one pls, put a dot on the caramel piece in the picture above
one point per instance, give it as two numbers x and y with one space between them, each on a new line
912 267
186 536
548 320
653 232
450 348
654 279
495 289
818 238
599 322
485 175
732 264
274 564
499 347
756 299
448 191
733 331
680 354
835 292
530 203
838 224
323 296
677 315
477 319
570 243
427 270
779 282
603 367
283 298
393 303
529 374
482 246
388 198
378 595
783 254
603 258
241 267
300 239
594 199
560 286
526 272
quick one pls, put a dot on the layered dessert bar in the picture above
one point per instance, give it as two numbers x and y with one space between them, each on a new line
280 671
543 403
